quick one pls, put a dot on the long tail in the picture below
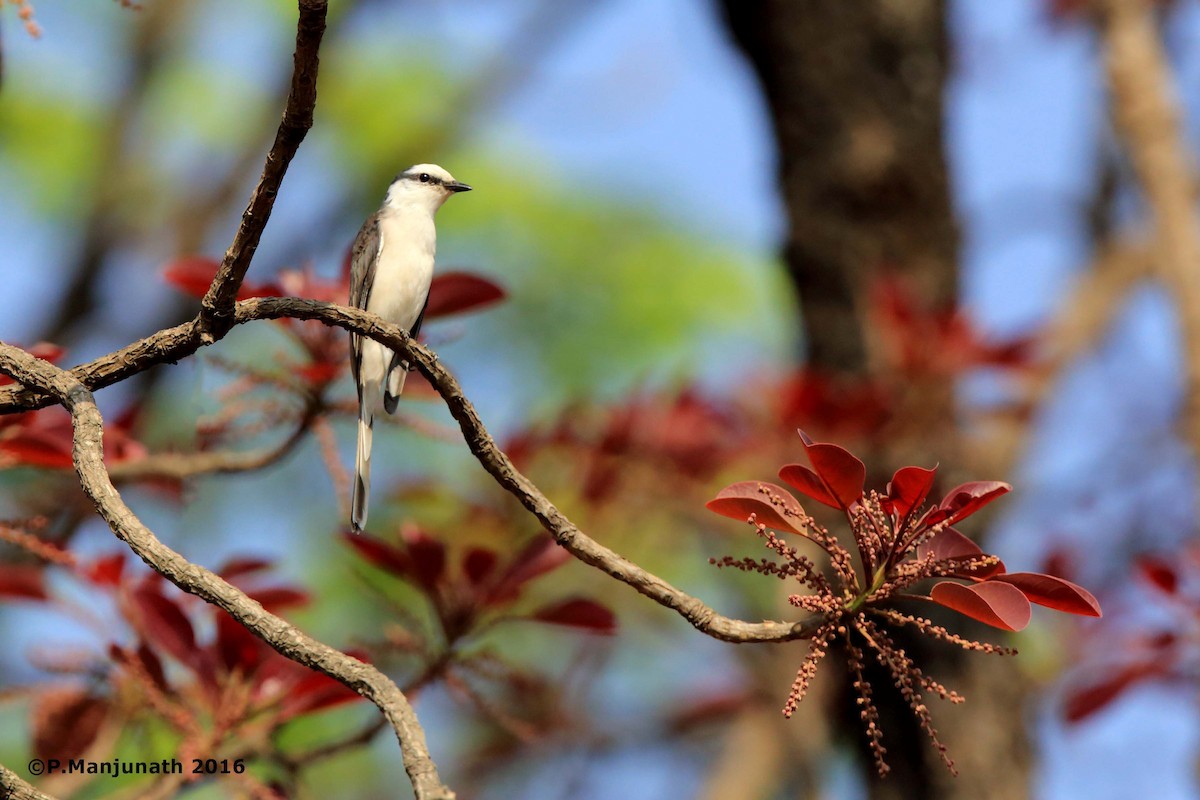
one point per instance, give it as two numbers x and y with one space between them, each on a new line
362 468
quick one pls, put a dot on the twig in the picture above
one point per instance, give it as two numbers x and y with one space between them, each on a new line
217 310
289 641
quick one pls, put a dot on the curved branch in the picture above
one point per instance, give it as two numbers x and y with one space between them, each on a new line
291 642
13 788
215 316
183 340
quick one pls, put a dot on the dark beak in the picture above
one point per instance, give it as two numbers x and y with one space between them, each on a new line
458 187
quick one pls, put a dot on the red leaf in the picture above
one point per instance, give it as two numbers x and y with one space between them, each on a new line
1052 592
106 571
540 556
997 604
807 482
275 598
23 581
455 292
771 505
581 613
194 274
164 623
963 501
478 564
238 567
1082 703
427 555
40 438
908 489
1160 574
841 472
841 475
65 722
387 557
236 647
950 545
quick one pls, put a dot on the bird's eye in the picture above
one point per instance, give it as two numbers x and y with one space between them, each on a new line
424 177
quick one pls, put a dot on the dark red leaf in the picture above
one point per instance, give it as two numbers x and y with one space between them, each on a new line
23 581
427 555
1046 590
238 567
383 555
841 472
963 501
478 564
455 292
771 505
997 604
579 612
106 571
65 722
908 489
1081 703
236 647
807 482
164 623
277 598
314 692
1159 574
950 545
540 556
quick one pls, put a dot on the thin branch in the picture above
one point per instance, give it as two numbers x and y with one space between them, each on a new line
13 788
1147 116
216 314
174 343
291 642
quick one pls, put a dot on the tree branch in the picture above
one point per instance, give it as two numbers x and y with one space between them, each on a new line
216 313
174 343
13 788
1147 117
291 642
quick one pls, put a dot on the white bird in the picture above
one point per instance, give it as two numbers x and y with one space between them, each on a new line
391 267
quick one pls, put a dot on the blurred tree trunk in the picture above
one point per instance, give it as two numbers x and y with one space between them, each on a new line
855 90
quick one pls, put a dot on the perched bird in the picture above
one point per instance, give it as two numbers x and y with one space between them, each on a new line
391 267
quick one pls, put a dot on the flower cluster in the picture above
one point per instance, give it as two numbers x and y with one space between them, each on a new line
902 542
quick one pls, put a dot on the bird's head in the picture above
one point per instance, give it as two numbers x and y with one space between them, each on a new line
424 186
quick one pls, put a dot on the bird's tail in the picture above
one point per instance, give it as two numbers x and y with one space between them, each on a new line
394 384
362 468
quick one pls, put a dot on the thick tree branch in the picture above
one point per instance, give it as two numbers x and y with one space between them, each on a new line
88 456
216 314
13 788
1147 117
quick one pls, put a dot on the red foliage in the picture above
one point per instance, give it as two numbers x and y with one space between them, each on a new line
484 583
837 478
44 439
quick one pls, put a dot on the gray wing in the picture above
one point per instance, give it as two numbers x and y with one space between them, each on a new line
363 256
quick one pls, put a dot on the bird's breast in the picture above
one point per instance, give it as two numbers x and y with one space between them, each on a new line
404 268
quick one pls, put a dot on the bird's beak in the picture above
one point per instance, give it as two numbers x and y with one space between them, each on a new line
455 186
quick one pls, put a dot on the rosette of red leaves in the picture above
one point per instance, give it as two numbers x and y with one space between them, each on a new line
902 541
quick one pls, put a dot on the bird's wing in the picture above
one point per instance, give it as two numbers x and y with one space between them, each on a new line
363 257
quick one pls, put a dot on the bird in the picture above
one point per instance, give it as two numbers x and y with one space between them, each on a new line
391 268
